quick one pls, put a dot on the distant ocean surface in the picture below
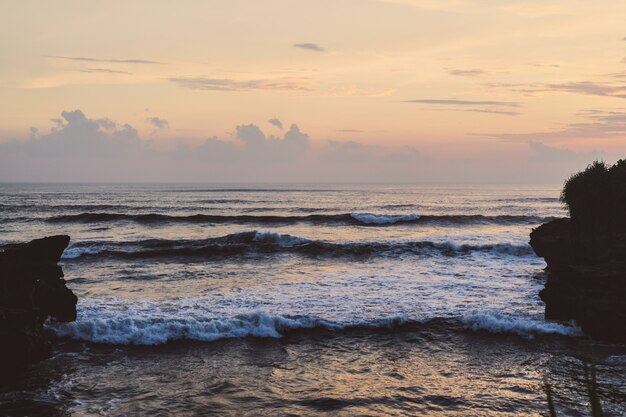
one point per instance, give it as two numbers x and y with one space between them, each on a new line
301 299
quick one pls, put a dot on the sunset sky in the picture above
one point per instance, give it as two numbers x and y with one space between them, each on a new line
302 90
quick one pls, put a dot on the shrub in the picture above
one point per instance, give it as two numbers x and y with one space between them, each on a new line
596 197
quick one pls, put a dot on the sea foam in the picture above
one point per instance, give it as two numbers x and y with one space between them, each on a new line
74 252
117 321
155 330
369 218
529 328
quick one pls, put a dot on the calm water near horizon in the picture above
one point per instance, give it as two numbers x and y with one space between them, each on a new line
304 299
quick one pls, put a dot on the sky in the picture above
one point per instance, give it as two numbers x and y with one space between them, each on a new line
310 90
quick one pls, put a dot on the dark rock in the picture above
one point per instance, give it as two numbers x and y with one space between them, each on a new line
31 290
586 277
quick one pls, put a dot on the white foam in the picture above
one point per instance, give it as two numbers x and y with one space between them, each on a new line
616 360
118 321
126 328
77 252
276 238
501 248
497 323
370 218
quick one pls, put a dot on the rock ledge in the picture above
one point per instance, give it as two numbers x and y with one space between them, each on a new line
586 277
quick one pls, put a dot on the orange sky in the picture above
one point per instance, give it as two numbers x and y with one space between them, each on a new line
480 80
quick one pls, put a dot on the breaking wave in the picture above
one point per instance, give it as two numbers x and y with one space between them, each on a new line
255 242
497 323
148 326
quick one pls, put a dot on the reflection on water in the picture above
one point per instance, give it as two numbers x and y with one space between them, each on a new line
428 370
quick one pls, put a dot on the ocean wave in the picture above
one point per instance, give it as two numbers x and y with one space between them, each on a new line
497 323
74 252
160 330
529 199
258 242
352 219
369 218
146 325
123 328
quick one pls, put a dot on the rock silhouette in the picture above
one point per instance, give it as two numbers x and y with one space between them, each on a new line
586 254
31 290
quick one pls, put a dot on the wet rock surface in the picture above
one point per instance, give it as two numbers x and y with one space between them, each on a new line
586 276
32 289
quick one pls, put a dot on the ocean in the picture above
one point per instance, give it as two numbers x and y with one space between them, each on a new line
305 300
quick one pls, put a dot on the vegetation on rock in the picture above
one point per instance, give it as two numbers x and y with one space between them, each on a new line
596 197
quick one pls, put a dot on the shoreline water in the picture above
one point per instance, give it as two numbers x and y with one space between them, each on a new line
428 370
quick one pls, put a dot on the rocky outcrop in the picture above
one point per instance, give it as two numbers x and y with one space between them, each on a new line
31 290
586 277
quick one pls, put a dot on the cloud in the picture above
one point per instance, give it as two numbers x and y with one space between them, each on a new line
104 70
296 137
158 122
348 151
468 73
82 148
78 147
610 88
251 135
309 46
484 106
601 124
465 102
271 148
225 84
545 153
110 61
546 65
588 88
275 122
76 135
499 112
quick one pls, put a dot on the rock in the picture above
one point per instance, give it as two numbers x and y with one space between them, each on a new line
31 290
586 277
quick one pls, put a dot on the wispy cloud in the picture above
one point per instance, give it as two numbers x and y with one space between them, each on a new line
226 84
600 124
500 112
546 65
110 60
609 87
465 102
309 46
587 88
104 70
476 72
475 106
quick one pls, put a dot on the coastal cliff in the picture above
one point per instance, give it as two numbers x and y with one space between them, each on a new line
31 290
586 254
